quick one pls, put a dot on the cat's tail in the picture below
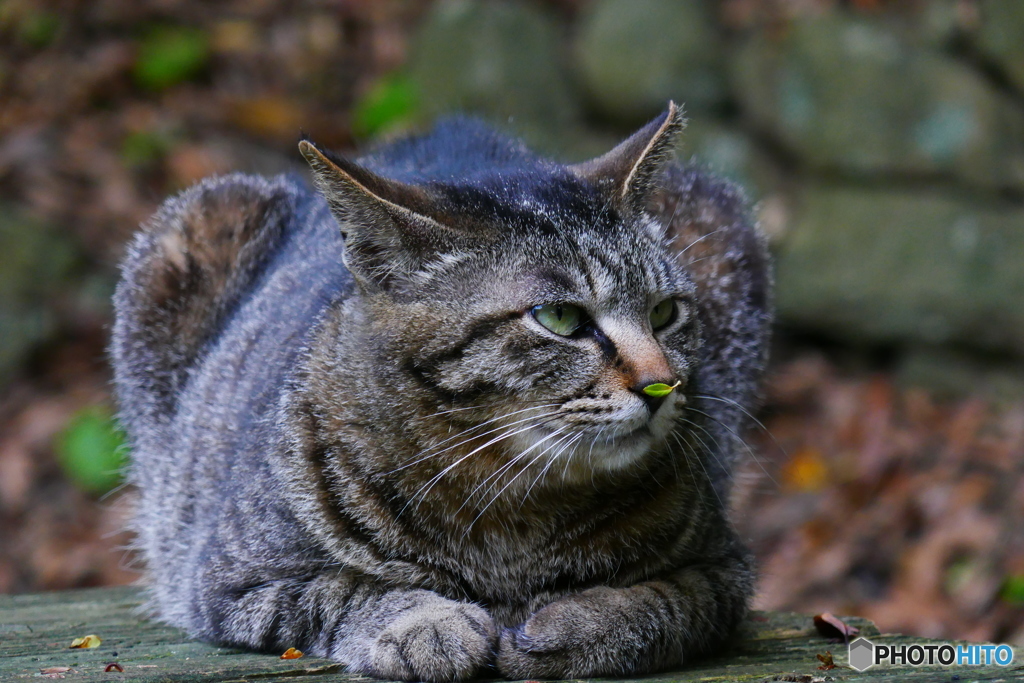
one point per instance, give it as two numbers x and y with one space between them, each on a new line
183 276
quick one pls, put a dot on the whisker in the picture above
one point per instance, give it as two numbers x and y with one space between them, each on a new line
425 489
568 460
548 465
739 438
751 416
475 436
713 452
699 240
544 470
675 466
590 453
690 454
495 419
494 478
511 463
707 474
464 408
491 480
504 488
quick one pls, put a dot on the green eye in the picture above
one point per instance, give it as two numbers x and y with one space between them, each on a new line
563 319
662 314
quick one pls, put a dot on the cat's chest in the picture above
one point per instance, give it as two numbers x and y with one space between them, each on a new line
548 549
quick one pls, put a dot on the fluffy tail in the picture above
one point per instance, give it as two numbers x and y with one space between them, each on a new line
183 275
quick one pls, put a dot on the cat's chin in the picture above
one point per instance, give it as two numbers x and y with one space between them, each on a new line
620 451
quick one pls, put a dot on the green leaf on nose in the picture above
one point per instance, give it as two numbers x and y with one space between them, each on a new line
658 390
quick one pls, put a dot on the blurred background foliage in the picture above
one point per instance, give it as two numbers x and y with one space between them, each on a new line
881 142
91 450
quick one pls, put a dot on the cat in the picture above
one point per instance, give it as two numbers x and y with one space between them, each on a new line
463 411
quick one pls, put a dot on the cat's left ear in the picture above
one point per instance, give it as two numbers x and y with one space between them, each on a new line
629 173
387 226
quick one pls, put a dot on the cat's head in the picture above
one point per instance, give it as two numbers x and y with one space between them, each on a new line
537 307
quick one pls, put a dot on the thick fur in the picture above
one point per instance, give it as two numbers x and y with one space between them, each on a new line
379 456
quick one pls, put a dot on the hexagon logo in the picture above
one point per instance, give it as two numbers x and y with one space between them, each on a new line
862 654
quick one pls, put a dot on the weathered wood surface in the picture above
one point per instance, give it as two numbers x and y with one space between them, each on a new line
36 631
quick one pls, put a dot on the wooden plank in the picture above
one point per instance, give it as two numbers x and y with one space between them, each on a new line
36 631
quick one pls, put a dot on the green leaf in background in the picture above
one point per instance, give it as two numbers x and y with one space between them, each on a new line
39 29
91 450
145 147
391 103
170 55
1013 590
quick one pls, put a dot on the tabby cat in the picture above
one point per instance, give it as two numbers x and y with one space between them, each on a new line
464 411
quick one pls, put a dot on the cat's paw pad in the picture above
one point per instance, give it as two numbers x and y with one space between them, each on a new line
441 641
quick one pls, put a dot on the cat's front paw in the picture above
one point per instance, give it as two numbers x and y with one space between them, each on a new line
441 640
599 632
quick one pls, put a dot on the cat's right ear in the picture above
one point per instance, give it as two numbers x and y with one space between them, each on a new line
385 224
629 174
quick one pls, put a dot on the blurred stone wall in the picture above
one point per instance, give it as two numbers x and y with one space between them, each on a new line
883 141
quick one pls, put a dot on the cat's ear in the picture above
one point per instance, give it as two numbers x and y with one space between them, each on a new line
629 173
386 225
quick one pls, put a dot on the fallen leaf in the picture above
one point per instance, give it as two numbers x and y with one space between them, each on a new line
114 666
86 642
831 626
267 116
291 653
806 471
826 661
235 36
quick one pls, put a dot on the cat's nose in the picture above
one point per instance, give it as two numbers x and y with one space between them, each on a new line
644 369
